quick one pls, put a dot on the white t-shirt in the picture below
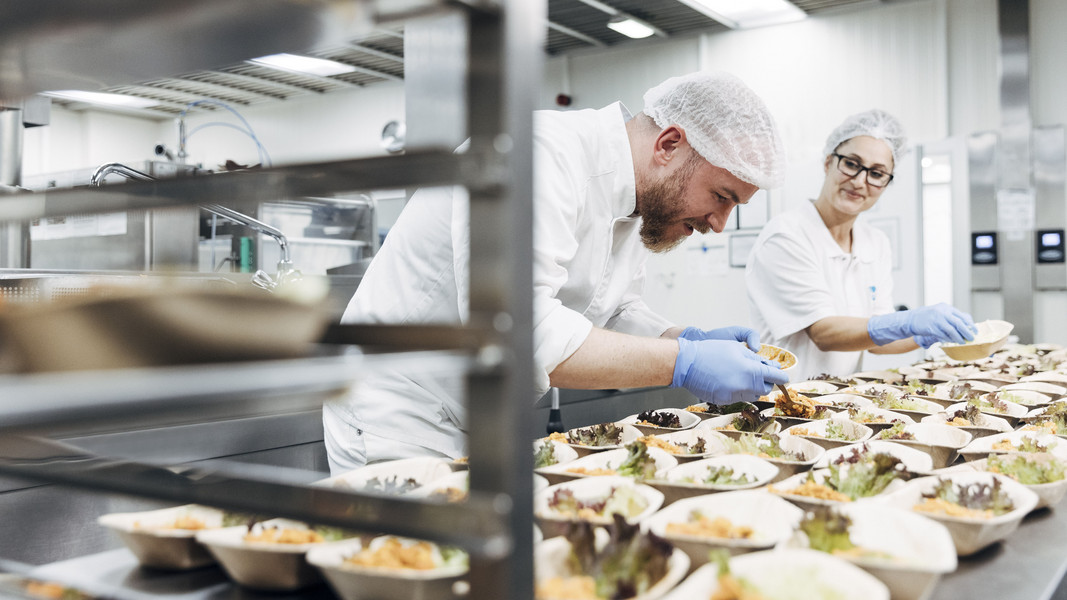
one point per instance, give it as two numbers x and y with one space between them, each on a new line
589 270
797 275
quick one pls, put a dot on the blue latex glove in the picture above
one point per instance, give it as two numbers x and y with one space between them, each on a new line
939 323
925 341
738 334
723 371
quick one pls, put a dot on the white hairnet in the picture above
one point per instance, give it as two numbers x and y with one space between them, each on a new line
875 123
724 121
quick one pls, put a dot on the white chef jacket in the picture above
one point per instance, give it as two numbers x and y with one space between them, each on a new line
589 270
797 274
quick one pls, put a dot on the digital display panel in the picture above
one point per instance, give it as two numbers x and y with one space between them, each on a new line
1050 239
983 241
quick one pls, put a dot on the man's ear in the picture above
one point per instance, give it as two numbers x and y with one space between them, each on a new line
668 143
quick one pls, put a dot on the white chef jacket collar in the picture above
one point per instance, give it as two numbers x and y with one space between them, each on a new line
613 121
862 248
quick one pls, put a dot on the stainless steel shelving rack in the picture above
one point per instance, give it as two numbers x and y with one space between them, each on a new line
495 346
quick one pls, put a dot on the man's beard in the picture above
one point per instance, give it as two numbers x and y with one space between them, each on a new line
661 205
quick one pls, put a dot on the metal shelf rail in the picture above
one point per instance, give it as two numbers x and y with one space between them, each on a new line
503 66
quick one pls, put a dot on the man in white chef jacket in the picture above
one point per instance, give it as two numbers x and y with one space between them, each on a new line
608 188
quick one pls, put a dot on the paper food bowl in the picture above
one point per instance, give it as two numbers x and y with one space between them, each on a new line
158 324
854 432
603 460
357 582
784 487
827 411
984 424
562 453
920 549
153 538
1051 390
453 487
553 522
941 442
915 461
261 566
788 572
724 425
685 418
1048 494
1012 411
713 443
888 418
675 486
983 447
392 477
991 336
806 451
771 519
969 535
814 387
785 359
629 434
552 558
1028 398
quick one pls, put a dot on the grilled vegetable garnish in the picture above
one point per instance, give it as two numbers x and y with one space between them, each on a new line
979 496
545 456
659 419
604 434
638 463
752 421
627 566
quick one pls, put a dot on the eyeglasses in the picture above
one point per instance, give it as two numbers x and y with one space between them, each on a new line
852 167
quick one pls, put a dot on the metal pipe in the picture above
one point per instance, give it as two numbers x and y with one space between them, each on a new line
285 265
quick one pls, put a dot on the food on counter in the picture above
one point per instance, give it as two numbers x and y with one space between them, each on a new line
597 472
577 587
812 489
700 525
990 403
392 553
974 501
697 447
793 405
834 379
628 565
638 464
963 391
767 445
604 434
1026 444
186 522
661 418
918 388
828 531
545 455
392 486
284 535
623 501
783 357
1027 469
968 417
449 494
716 409
750 420
720 476
835 430
896 432
51 590
890 401
556 436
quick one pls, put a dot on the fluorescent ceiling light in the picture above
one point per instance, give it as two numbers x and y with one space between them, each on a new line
742 14
304 64
630 27
103 98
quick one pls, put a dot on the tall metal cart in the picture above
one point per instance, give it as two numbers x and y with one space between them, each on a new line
494 347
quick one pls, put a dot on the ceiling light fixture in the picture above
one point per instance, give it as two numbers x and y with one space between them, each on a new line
102 98
304 64
630 26
745 14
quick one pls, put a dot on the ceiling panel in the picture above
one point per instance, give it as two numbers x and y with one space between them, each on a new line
378 55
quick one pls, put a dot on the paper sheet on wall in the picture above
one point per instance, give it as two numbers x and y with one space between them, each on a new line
74 226
1015 213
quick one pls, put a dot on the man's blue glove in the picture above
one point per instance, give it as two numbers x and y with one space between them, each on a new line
925 340
738 334
723 371
937 323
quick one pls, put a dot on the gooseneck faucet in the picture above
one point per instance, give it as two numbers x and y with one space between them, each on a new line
259 278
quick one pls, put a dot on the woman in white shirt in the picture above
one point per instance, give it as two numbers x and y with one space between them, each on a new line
820 284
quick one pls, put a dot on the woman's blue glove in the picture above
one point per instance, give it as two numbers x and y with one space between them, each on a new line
738 334
723 371
937 323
